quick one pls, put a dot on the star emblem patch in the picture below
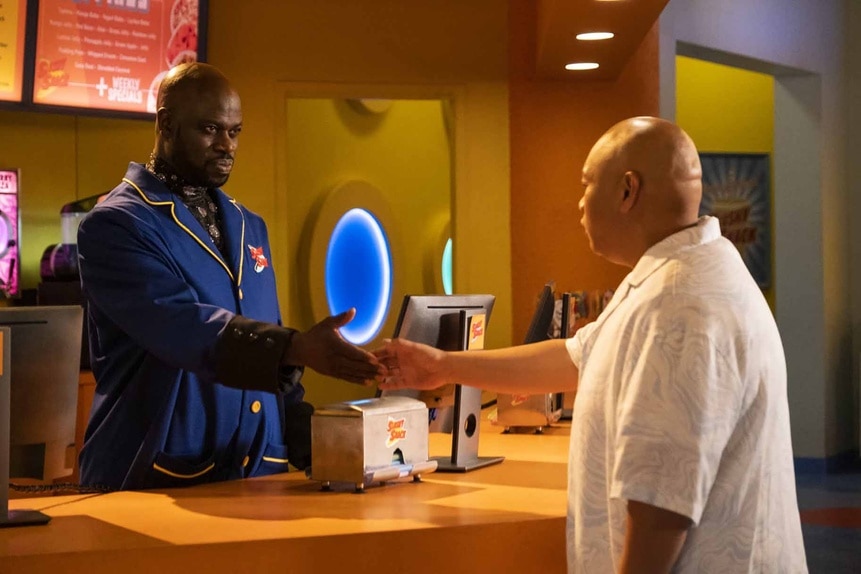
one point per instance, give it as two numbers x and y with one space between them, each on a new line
260 262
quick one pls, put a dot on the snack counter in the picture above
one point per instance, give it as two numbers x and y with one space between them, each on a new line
504 518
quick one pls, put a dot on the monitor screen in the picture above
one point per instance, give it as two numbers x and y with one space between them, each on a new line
111 55
44 370
540 328
13 29
435 320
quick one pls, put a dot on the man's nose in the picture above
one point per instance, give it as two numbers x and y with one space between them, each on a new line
581 203
224 142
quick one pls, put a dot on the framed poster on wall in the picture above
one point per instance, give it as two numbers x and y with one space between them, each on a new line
737 190
10 261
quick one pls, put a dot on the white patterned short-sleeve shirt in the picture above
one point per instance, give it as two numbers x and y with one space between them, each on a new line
682 405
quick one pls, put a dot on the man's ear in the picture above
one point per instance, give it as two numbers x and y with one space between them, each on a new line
164 122
632 183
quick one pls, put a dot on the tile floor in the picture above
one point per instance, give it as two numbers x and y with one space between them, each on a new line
830 506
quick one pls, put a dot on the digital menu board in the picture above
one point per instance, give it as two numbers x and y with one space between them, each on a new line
13 27
111 54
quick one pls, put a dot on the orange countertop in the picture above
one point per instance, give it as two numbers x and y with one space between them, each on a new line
508 517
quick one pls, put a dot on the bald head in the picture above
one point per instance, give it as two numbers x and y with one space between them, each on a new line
198 122
647 177
186 81
661 152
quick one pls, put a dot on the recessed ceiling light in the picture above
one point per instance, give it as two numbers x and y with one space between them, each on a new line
581 66
595 36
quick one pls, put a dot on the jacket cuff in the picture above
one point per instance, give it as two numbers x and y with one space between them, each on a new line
248 356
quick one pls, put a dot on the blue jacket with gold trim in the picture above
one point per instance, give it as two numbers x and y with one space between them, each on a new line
159 297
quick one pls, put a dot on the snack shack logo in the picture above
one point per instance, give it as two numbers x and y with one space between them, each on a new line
260 262
397 431
518 399
477 329
476 333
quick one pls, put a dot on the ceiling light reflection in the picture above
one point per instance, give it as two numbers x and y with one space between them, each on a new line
588 36
581 66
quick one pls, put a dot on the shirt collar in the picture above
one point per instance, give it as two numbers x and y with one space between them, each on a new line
175 182
705 231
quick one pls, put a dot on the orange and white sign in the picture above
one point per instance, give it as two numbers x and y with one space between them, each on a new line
476 332
396 431
111 54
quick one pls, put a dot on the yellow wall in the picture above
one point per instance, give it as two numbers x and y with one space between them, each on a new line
726 109
63 158
402 152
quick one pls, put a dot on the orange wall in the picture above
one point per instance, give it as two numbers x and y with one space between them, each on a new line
553 125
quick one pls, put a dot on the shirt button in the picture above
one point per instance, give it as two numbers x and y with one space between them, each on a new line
269 342
252 336
237 332
255 407
245 462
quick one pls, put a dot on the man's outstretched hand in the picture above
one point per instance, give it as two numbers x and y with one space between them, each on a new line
323 349
410 365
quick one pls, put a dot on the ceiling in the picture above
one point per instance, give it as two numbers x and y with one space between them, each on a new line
559 21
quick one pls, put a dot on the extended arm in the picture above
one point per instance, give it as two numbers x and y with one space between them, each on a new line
131 280
537 368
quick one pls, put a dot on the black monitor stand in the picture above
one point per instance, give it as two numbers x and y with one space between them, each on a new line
10 518
564 331
467 420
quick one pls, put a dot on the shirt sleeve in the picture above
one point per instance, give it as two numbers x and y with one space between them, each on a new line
248 356
575 344
677 407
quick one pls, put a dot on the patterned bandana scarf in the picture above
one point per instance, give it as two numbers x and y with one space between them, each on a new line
199 200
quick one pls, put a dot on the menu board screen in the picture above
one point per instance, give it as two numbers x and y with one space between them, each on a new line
111 54
13 21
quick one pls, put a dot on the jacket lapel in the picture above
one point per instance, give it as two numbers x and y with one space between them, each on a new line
233 223
154 193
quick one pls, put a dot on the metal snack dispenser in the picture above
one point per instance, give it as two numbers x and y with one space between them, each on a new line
370 440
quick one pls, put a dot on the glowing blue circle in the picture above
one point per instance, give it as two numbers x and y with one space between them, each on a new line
446 268
359 274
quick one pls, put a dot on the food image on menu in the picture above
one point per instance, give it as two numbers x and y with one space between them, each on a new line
182 47
182 11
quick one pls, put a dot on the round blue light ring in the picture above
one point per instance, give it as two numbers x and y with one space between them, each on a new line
358 273
446 268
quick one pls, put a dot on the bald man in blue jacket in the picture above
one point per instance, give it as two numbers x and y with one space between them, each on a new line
196 379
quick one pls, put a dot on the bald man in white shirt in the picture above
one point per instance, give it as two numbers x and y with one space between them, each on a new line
680 456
